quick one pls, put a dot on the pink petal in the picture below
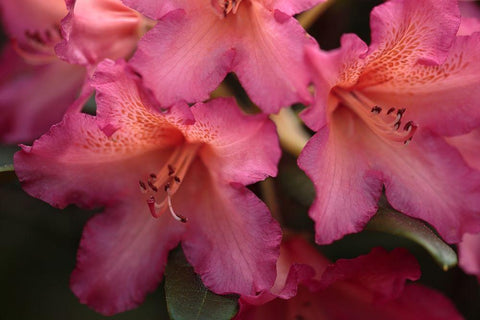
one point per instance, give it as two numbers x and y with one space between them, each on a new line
153 9
337 67
469 254
291 7
347 188
75 162
87 25
468 145
122 256
185 56
418 182
231 239
386 281
271 48
245 152
32 98
38 16
368 293
443 98
411 31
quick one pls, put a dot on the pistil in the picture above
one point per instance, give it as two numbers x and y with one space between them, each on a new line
168 181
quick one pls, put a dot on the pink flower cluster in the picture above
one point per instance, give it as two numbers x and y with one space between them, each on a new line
169 165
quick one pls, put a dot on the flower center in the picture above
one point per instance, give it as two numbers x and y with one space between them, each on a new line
387 124
224 7
161 186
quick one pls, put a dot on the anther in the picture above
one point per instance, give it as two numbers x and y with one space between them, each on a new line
177 179
376 110
407 141
152 186
153 176
143 187
397 125
167 186
171 170
390 110
408 125
401 111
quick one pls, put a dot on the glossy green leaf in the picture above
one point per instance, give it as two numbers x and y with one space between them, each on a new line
188 298
390 221
6 162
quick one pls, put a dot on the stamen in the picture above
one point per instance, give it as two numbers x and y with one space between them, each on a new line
152 186
153 176
143 187
385 125
376 110
171 170
177 179
176 216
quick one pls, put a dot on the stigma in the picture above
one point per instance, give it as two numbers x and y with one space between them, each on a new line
384 122
161 186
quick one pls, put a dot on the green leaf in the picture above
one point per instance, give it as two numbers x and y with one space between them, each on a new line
188 298
390 221
6 162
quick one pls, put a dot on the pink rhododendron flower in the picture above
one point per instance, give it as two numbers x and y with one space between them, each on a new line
469 254
99 29
418 80
368 287
164 177
35 86
196 43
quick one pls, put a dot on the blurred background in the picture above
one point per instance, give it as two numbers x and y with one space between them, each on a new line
38 243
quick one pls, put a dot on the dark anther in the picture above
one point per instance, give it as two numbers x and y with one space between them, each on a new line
390 110
401 111
170 170
137 74
408 125
177 179
407 141
397 125
167 186
182 218
376 110
150 184
142 185
153 176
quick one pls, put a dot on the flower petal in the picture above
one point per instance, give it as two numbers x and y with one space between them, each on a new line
271 48
241 148
38 16
50 89
75 162
468 145
418 182
347 188
443 98
122 256
231 239
291 7
153 9
386 281
340 67
469 254
86 26
185 56
410 31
